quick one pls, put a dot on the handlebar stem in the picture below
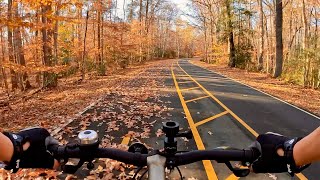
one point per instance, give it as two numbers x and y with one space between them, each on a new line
156 166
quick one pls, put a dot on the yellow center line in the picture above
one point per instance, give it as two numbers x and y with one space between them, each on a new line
181 76
211 118
126 140
195 99
301 176
232 177
185 82
253 132
206 163
189 89
222 105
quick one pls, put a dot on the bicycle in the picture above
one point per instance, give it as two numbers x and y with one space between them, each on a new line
87 149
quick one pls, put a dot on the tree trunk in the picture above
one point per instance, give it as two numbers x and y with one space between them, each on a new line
212 37
25 84
146 19
83 71
102 35
140 32
261 49
49 79
305 46
279 43
147 29
55 35
17 41
316 73
79 12
99 34
38 53
268 50
206 58
115 9
130 16
3 72
124 10
14 81
232 49
178 44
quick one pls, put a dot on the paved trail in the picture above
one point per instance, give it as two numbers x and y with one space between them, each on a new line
220 112
228 113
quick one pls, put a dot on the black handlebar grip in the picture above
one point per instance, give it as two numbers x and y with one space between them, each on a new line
251 154
217 155
65 152
56 150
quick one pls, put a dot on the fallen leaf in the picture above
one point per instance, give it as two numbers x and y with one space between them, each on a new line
159 132
71 177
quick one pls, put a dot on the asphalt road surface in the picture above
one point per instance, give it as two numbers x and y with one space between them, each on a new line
228 113
218 110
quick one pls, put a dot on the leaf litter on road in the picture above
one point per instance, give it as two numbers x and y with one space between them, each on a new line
132 107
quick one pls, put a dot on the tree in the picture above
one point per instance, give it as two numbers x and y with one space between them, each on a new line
279 43
261 48
14 82
3 71
83 70
232 49
19 54
49 78
305 46
56 31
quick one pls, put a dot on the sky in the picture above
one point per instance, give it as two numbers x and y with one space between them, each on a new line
181 4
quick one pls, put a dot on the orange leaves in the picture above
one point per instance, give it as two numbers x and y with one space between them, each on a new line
84 124
131 105
33 69
112 126
37 3
71 177
29 174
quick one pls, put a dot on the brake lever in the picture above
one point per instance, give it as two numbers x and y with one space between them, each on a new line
238 171
71 169
186 134
87 149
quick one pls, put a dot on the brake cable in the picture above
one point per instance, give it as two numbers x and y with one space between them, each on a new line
181 177
136 173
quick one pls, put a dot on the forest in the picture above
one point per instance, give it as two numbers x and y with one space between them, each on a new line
277 37
228 70
44 40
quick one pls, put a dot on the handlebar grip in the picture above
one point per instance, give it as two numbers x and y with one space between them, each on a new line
65 152
217 155
56 150
252 154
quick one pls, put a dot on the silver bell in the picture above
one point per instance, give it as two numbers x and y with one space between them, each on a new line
88 137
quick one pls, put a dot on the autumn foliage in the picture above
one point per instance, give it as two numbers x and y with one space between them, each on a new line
277 37
45 40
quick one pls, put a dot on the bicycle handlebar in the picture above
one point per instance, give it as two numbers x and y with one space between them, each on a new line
64 152
88 149
217 155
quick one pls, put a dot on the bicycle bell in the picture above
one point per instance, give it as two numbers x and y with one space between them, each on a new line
88 138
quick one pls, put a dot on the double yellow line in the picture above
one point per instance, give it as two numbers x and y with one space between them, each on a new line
193 126
207 164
